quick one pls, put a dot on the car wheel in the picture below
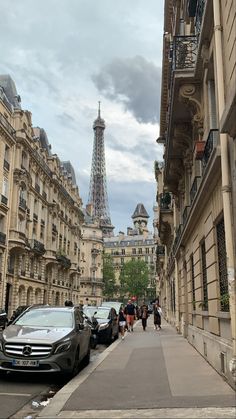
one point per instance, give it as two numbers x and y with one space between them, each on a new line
76 365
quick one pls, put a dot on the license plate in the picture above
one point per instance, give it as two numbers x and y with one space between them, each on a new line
24 363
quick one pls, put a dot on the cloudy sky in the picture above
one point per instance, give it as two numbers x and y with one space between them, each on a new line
65 56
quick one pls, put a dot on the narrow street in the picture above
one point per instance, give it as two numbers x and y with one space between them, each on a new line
23 395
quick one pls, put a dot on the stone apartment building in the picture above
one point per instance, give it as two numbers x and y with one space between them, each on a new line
41 213
196 186
137 244
91 262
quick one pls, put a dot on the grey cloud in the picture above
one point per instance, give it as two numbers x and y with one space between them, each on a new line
66 119
135 82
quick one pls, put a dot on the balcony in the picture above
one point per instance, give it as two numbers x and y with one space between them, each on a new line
160 250
194 188
37 187
37 247
6 165
7 126
63 260
4 200
22 203
184 52
211 143
95 252
2 239
35 217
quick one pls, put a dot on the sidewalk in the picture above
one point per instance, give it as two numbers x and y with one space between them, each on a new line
152 374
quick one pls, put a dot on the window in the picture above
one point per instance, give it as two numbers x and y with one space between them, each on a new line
5 187
204 303
123 251
192 281
147 250
134 251
222 266
140 251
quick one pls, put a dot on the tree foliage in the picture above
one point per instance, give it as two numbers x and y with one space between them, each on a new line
134 278
110 287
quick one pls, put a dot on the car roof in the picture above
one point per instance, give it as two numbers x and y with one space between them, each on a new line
53 308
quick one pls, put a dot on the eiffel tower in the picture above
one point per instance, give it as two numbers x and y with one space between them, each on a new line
98 199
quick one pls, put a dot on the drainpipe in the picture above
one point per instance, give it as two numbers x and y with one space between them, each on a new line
226 185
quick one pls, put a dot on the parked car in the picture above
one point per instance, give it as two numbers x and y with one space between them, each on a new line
3 319
108 329
21 309
115 304
46 339
89 312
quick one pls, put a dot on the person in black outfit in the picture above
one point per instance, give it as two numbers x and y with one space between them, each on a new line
144 315
122 321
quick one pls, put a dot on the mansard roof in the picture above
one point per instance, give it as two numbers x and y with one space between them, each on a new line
10 91
140 211
70 170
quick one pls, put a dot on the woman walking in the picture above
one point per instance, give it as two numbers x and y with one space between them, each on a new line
122 321
144 315
157 316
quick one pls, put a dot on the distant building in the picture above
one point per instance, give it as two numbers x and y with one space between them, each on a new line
91 262
137 244
40 213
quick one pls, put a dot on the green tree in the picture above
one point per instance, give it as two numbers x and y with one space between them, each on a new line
134 278
110 287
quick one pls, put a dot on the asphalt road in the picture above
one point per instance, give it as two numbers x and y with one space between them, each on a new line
23 395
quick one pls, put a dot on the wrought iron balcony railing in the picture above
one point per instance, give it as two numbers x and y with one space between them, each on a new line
22 203
4 200
194 188
7 126
37 246
63 260
210 145
184 52
6 165
2 238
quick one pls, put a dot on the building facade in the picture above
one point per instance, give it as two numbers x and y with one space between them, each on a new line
91 261
40 213
137 244
196 186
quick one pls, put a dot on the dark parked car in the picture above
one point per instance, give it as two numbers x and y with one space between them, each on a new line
108 329
46 339
3 319
89 312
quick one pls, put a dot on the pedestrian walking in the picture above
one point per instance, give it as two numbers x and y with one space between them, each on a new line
122 321
144 315
157 312
130 315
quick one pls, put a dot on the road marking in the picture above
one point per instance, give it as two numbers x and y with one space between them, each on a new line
16 394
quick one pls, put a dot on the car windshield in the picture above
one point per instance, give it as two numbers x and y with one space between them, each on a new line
115 304
47 318
102 313
89 311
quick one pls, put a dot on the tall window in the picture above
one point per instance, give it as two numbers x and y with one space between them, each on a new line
222 266
193 282
172 295
204 277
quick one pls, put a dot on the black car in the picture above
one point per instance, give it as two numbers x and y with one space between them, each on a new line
108 328
3 319
89 312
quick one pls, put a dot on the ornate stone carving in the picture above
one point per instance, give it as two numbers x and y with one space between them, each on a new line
190 95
